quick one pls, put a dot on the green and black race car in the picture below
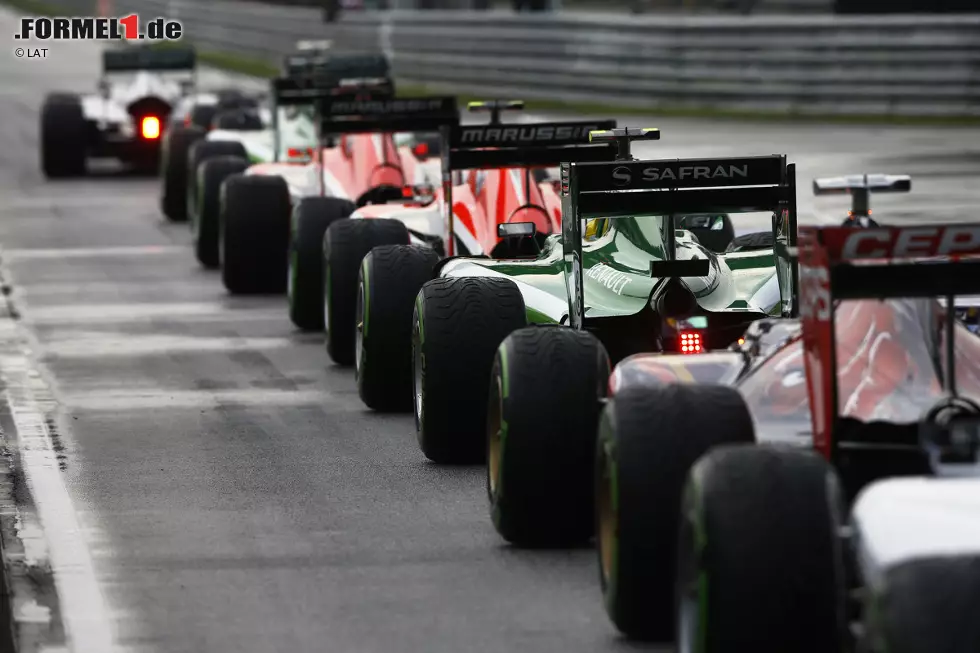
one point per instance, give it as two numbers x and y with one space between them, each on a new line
621 269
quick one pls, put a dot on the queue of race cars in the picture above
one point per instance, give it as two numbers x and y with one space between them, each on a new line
773 439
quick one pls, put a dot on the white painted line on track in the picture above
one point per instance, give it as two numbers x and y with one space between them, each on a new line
10 255
82 605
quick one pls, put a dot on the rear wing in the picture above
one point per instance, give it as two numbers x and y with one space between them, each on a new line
135 59
860 188
841 263
357 115
310 89
544 144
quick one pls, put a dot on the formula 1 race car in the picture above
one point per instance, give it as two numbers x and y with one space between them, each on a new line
860 188
353 166
500 213
633 279
125 120
832 492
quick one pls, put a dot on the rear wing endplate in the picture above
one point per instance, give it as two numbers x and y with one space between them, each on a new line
545 144
841 263
145 59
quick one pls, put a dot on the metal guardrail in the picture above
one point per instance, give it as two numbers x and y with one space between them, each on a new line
873 65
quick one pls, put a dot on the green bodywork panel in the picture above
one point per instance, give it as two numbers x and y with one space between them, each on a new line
616 258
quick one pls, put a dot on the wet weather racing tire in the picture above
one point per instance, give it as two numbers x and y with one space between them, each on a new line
649 438
176 145
390 279
749 242
760 553
211 174
928 604
198 153
345 244
544 407
254 234
458 325
310 220
63 136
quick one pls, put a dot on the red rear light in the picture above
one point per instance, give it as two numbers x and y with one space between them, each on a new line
690 342
408 191
299 153
150 128
421 150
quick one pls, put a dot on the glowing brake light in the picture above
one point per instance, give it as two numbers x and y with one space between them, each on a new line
150 127
408 191
421 150
299 153
690 342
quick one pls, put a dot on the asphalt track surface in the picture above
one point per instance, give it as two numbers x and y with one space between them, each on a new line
190 474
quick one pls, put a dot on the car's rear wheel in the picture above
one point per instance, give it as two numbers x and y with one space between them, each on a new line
212 173
545 391
310 220
198 153
649 438
760 555
254 234
63 136
176 145
345 244
390 279
458 324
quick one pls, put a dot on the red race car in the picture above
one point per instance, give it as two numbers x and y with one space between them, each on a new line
824 477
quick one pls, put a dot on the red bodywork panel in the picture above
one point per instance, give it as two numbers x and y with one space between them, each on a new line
883 353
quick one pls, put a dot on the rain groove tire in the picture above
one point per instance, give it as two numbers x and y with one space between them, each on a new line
544 409
212 173
176 145
345 244
254 234
63 134
749 242
760 554
310 220
457 327
390 279
198 152
649 438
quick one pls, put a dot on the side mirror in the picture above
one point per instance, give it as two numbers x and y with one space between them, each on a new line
516 230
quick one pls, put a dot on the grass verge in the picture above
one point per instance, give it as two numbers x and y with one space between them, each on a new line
257 67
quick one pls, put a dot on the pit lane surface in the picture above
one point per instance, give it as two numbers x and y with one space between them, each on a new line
223 488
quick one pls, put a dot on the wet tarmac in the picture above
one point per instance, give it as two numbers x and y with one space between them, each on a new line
189 472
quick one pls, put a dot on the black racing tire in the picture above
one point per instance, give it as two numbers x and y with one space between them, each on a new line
63 136
760 553
254 234
700 225
199 152
752 241
545 392
237 120
390 279
457 326
176 145
929 604
202 115
211 174
345 244
649 438
310 220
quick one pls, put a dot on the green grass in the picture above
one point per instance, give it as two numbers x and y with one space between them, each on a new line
258 67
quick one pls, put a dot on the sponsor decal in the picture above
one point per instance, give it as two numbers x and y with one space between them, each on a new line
907 242
609 277
623 175
94 28
356 107
525 135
